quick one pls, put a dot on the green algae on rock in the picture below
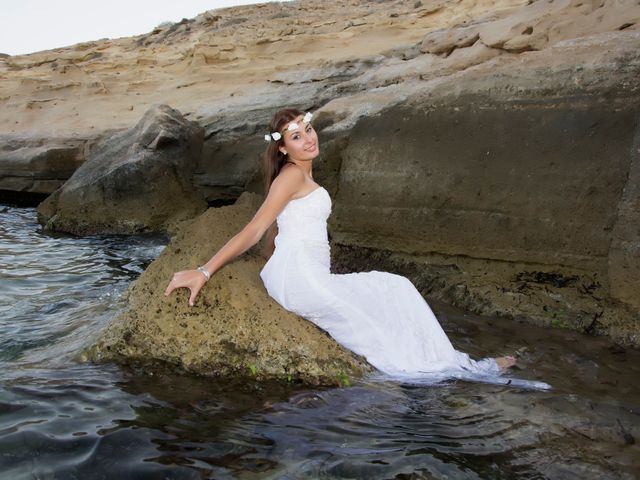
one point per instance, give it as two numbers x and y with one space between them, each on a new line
234 329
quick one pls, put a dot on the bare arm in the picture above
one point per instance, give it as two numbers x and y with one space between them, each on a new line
283 188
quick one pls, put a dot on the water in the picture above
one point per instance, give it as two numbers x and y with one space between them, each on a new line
62 419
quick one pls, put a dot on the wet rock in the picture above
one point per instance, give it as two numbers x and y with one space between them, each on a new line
136 181
234 329
553 278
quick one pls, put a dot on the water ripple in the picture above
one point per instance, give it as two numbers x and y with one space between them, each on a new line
55 285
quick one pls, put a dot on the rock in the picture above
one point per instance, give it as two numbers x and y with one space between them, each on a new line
234 328
624 251
514 160
537 109
547 22
447 40
38 168
136 181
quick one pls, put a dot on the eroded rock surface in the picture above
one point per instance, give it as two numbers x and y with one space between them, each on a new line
529 159
234 328
38 167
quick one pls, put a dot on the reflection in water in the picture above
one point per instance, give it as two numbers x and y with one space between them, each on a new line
64 420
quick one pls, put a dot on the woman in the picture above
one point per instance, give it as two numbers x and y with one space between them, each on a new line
375 314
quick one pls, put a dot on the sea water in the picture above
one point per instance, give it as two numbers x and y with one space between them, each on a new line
64 419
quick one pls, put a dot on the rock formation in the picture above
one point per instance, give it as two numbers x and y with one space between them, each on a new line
136 181
234 328
38 166
541 175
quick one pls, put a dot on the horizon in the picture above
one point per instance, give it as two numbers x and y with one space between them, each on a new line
33 26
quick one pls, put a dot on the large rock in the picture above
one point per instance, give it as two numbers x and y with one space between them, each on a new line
136 181
520 160
234 328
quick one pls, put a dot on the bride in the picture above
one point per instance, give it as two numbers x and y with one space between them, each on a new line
375 314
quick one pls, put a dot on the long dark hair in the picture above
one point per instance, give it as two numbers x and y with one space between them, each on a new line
273 159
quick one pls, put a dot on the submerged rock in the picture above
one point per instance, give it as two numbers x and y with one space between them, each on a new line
234 328
136 181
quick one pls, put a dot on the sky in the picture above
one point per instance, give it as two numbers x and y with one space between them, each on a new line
28 26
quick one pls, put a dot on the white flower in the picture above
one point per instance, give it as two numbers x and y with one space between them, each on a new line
273 136
305 119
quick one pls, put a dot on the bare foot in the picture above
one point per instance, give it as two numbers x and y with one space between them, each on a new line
506 362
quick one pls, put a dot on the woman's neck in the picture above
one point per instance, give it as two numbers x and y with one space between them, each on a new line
307 166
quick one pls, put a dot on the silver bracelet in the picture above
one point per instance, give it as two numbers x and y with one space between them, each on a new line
204 272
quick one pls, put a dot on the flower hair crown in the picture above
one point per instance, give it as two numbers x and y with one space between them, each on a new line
292 126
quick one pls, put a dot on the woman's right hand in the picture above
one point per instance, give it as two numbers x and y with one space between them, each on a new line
191 279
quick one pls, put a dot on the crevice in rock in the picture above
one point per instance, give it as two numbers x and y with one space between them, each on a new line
468 43
22 199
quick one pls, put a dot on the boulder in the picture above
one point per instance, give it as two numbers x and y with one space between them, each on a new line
136 181
234 328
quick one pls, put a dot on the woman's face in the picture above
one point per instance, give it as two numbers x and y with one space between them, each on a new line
301 143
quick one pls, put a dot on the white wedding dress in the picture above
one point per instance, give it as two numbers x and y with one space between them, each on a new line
378 315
